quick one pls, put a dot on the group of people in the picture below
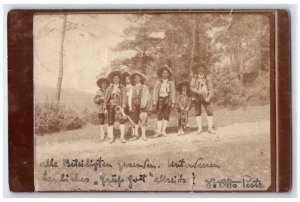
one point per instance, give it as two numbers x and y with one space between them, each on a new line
124 97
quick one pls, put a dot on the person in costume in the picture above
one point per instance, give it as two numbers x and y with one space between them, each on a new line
127 82
140 103
102 83
183 105
164 98
115 96
201 85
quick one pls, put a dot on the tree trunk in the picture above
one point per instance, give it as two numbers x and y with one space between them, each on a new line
193 40
61 62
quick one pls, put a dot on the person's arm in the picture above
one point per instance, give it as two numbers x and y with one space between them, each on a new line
123 97
130 98
106 97
155 92
210 88
189 103
145 97
173 93
192 84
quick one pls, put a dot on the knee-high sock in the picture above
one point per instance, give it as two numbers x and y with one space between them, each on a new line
159 126
110 132
136 130
165 123
199 123
143 131
122 130
209 122
101 132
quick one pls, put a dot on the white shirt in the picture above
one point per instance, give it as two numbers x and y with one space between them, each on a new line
116 89
129 94
164 88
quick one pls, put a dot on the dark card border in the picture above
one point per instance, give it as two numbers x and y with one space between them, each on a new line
20 93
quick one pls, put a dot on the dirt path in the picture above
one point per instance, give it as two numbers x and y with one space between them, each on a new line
240 149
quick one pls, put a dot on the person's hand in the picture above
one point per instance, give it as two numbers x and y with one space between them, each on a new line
173 105
207 99
187 109
105 111
130 109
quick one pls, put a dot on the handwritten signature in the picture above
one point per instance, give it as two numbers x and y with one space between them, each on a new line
246 181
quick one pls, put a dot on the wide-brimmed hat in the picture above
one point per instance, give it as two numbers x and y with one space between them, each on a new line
195 67
124 75
162 68
100 81
114 73
182 83
143 78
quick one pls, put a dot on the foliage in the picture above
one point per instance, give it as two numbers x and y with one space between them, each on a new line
49 118
233 47
90 116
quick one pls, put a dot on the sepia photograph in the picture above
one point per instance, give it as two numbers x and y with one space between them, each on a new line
161 101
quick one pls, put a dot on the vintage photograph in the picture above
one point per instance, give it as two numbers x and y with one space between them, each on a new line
152 102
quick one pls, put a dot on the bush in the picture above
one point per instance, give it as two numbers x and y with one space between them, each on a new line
90 117
228 90
49 118
260 89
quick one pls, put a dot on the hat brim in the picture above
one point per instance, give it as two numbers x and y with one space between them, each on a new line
143 78
182 83
114 73
161 69
195 67
100 81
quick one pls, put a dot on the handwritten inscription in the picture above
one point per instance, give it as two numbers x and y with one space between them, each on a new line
128 174
197 164
246 182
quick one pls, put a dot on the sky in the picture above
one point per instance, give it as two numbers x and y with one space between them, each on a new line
88 40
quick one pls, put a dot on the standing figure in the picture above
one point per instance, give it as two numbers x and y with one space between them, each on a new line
202 86
140 103
127 82
164 96
102 83
183 105
115 96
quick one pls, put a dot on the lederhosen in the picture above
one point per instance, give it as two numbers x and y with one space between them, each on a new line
100 100
136 104
184 101
200 100
114 101
164 104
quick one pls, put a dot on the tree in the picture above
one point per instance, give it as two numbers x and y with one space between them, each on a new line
61 61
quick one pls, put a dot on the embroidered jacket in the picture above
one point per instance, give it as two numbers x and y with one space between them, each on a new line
184 101
202 86
141 96
157 88
120 94
99 99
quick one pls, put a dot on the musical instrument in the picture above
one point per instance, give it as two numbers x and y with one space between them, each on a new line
122 115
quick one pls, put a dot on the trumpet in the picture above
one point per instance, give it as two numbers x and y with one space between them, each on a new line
121 114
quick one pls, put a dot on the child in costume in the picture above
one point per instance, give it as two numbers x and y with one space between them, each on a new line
115 96
164 98
102 83
201 85
183 105
140 103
